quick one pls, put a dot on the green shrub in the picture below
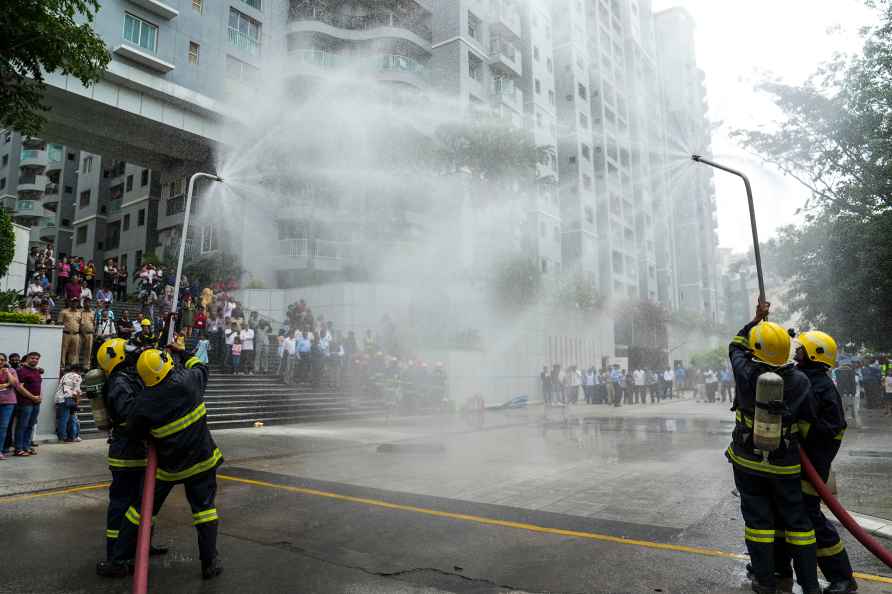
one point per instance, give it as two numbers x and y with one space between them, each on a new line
13 317
7 242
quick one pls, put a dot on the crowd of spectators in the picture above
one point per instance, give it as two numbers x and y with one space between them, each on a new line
609 385
21 379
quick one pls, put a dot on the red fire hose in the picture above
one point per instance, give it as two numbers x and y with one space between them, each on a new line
144 537
869 542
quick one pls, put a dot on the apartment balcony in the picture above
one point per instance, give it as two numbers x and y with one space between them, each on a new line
506 94
398 68
48 230
244 42
114 206
506 18
51 197
375 25
7 203
28 208
33 183
505 56
312 61
294 248
331 250
33 158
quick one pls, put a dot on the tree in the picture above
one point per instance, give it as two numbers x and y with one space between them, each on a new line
716 358
836 139
517 282
44 36
7 243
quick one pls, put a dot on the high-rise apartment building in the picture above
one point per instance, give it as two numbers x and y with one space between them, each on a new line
693 194
604 84
37 184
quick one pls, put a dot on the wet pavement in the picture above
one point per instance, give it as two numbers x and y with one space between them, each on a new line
585 499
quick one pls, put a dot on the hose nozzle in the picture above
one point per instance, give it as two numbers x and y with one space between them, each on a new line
696 157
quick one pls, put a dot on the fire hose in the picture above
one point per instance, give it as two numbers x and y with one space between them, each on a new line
869 542
144 536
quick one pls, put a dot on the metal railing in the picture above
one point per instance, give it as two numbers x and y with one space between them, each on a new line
25 204
294 248
399 63
360 23
244 42
320 58
31 154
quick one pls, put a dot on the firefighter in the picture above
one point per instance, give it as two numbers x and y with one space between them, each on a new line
146 337
171 411
815 357
768 481
126 456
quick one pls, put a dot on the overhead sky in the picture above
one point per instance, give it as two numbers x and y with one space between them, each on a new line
739 43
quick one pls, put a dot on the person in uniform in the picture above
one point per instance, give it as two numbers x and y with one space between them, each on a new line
146 337
171 412
815 357
126 456
88 328
70 320
771 501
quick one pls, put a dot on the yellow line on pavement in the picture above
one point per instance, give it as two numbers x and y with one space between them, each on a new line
648 544
68 491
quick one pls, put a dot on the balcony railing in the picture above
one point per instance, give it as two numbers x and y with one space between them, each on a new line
500 46
320 58
361 23
294 248
398 63
114 206
32 154
26 205
244 42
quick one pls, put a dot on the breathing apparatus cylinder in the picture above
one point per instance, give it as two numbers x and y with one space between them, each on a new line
767 423
94 386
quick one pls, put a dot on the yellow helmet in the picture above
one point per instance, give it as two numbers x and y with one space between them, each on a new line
770 343
153 366
145 322
110 354
819 346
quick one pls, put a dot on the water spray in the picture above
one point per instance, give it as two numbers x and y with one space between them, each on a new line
176 288
870 543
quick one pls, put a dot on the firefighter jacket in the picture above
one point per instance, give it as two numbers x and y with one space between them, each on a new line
799 406
174 416
121 391
145 339
822 438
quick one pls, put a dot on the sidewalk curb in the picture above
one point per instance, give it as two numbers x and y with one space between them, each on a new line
879 527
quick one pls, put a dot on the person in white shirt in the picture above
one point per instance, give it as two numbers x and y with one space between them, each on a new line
668 376
247 337
229 335
86 293
289 355
638 378
588 385
105 329
67 394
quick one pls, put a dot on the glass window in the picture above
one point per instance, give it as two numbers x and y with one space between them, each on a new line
244 32
2 183
141 217
198 6
193 52
129 183
85 198
140 32
473 26
82 234
144 180
254 4
126 224
240 71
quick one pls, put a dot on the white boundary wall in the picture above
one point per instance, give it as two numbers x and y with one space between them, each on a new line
46 340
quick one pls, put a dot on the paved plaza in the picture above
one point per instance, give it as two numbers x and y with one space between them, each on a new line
583 499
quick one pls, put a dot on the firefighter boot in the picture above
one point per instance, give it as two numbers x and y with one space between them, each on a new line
842 587
112 569
784 582
211 569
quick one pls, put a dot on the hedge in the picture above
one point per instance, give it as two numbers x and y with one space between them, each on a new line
14 317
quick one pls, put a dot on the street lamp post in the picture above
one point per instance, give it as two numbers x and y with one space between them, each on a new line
749 197
176 288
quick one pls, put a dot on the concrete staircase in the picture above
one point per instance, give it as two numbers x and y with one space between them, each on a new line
240 401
